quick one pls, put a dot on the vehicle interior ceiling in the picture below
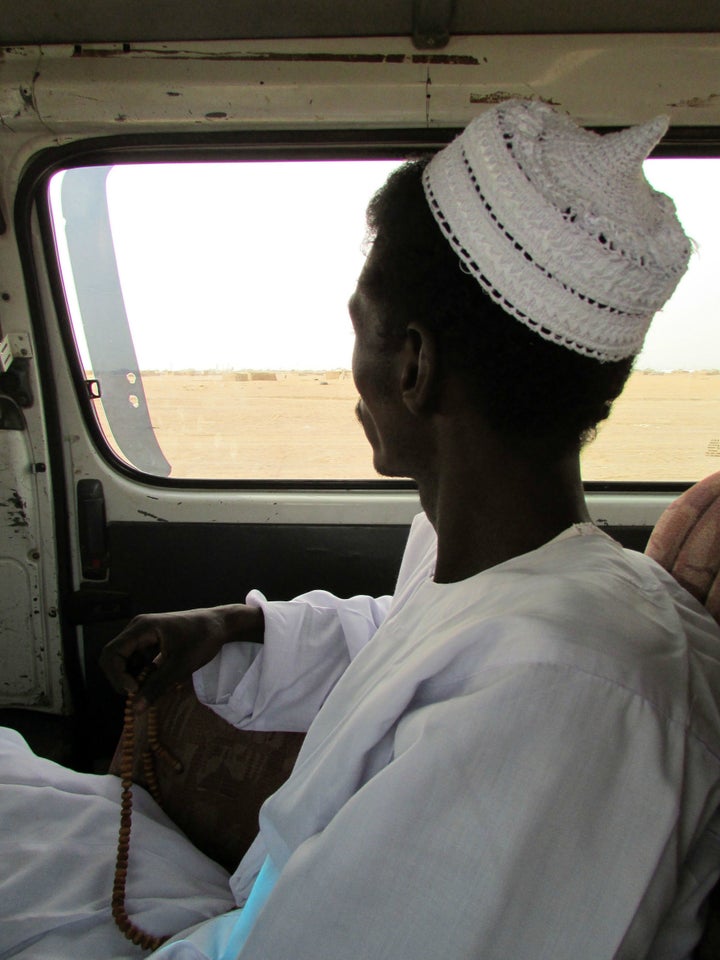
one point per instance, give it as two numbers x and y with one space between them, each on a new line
430 24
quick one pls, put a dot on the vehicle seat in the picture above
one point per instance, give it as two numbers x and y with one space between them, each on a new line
686 542
226 774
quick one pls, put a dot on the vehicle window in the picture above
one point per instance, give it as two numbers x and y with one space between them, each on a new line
209 302
666 424
208 305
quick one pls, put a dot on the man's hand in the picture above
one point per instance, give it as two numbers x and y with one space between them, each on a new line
177 643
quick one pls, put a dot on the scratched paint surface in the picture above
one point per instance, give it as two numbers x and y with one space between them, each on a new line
23 668
347 82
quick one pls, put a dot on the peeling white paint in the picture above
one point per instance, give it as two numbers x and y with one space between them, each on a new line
26 636
68 90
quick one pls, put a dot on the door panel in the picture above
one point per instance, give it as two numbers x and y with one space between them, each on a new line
30 653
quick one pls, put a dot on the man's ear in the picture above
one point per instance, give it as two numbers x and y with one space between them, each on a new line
420 370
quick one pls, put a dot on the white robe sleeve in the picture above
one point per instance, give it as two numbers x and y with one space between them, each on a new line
521 820
282 683
309 642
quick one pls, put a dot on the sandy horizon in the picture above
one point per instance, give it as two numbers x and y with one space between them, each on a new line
301 425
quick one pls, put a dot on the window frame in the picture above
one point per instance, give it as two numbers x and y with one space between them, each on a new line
32 195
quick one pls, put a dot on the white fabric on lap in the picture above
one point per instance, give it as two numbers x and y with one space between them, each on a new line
223 937
58 833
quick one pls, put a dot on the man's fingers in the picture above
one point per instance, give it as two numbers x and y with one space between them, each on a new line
116 657
158 682
121 680
115 667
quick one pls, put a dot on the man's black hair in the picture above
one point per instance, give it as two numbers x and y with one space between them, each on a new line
529 388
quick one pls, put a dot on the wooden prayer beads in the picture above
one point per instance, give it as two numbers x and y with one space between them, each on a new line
133 933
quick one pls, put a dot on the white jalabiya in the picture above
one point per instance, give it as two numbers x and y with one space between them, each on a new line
524 764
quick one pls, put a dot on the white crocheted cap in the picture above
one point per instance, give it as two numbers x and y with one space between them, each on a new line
560 226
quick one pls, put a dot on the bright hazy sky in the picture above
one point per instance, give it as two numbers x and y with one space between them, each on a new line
236 266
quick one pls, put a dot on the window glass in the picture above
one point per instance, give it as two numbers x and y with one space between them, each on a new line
208 304
232 280
666 423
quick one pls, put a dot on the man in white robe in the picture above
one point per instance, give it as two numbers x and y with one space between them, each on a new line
495 774
518 755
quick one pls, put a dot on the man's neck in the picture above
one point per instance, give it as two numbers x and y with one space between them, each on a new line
487 513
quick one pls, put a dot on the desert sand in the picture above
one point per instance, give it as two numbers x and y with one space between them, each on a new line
295 425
